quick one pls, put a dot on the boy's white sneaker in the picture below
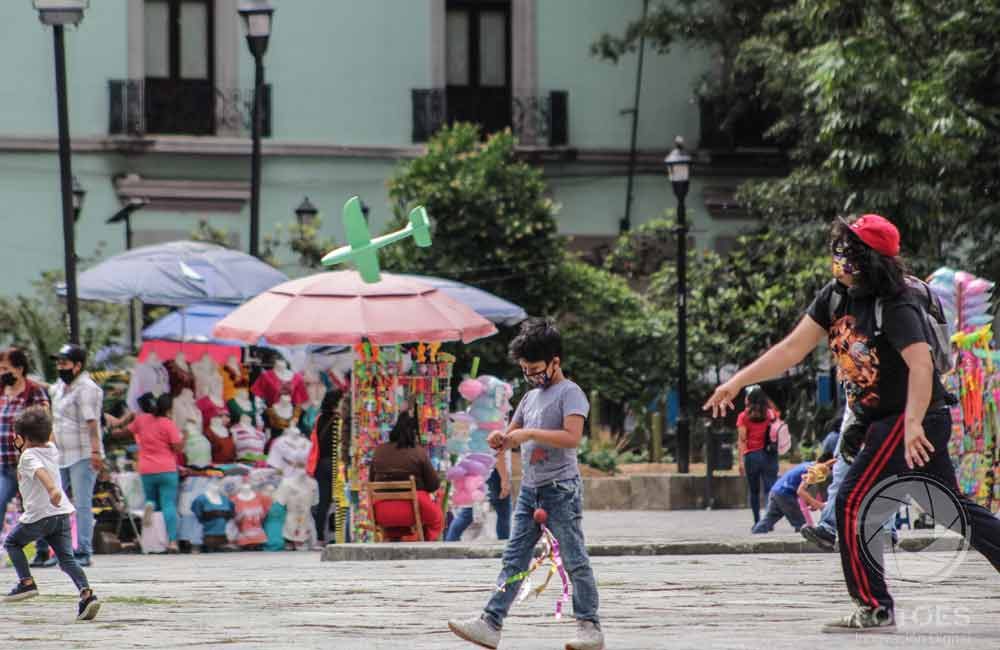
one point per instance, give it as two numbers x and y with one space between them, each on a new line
588 637
476 630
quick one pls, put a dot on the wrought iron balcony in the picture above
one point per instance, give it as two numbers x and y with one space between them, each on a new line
154 106
534 119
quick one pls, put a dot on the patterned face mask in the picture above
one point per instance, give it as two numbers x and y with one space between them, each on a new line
541 379
842 265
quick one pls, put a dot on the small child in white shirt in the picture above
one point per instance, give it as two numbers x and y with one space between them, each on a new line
46 511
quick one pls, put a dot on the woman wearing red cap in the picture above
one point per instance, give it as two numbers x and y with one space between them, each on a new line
892 389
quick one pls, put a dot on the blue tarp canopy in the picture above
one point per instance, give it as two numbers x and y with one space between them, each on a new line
491 307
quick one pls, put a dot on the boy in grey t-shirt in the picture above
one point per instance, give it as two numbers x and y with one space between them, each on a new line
548 427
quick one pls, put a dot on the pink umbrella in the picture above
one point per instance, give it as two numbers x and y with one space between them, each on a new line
340 308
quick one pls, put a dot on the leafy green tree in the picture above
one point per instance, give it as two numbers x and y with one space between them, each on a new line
891 106
38 323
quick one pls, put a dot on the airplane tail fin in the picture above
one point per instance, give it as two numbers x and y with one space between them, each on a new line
421 227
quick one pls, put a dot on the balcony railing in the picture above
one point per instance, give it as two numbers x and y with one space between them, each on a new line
139 106
534 119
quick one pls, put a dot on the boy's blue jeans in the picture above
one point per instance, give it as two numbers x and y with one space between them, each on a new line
563 501
56 531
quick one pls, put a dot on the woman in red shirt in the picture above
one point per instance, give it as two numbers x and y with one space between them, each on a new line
753 426
159 442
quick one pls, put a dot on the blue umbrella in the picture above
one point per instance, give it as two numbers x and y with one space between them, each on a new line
178 273
493 308
191 324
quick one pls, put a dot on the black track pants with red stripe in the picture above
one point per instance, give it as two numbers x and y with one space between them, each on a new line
882 457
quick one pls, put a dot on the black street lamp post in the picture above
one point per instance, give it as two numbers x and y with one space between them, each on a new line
306 212
257 17
58 14
678 164
125 215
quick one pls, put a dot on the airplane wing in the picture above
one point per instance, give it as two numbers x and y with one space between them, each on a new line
367 263
355 226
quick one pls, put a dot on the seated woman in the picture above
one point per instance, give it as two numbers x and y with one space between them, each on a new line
398 460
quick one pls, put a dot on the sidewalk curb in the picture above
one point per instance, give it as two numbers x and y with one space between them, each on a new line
458 551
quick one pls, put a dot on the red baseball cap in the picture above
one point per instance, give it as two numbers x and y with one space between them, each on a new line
878 233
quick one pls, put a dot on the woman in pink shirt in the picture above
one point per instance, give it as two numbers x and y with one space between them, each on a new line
159 442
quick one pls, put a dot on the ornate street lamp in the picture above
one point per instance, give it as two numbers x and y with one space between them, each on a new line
257 18
678 164
58 14
306 212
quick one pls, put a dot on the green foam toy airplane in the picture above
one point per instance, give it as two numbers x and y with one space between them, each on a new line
363 249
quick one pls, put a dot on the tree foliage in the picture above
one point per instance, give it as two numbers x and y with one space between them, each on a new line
891 106
38 323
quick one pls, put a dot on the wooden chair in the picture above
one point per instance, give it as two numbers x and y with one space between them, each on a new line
395 491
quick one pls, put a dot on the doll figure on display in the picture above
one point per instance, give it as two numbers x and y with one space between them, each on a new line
251 511
206 377
234 376
221 441
281 415
242 405
210 403
148 378
280 380
186 409
299 493
274 525
197 448
213 509
289 451
250 441
315 389
180 374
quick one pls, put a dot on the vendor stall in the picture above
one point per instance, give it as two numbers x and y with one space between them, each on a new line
375 319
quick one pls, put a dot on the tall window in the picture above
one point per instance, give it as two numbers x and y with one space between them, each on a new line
179 64
478 63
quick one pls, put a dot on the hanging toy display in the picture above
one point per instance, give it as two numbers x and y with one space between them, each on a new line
385 379
550 556
967 301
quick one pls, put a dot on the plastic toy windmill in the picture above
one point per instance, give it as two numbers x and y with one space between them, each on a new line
363 249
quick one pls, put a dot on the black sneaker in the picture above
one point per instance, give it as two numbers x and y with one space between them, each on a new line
864 620
89 607
820 537
21 591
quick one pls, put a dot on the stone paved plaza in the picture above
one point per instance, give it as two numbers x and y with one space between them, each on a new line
292 600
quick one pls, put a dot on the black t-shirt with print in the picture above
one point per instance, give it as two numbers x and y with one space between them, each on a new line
874 374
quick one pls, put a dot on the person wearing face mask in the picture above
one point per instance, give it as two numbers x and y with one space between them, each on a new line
18 393
759 465
895 392
77 402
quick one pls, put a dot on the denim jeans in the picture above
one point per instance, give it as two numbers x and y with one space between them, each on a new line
8 488
161 491
760 467
563 501
780 505
828 516
78 480
463 518
56 531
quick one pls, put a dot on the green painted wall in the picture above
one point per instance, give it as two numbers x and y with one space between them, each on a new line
96 50
343 70
599 90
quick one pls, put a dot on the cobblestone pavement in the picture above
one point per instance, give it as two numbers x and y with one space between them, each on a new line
292 600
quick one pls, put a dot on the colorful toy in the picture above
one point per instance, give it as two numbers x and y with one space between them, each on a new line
363 249
489 400
468 478
551 556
